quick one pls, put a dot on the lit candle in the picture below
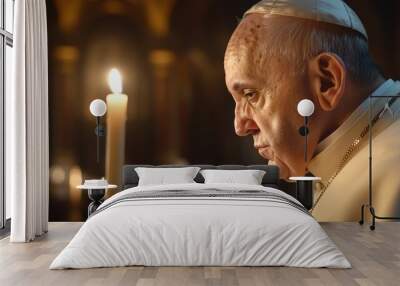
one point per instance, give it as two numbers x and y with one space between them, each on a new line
116 117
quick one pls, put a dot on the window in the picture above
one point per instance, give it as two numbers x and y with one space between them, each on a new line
6 65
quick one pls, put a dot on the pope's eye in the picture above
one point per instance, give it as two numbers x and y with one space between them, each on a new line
248 93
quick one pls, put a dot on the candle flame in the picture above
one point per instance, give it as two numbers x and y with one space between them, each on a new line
115 81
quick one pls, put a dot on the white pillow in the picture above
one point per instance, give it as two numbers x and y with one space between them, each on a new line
248 177
163 176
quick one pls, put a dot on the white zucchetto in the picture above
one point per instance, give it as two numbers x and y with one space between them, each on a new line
328 11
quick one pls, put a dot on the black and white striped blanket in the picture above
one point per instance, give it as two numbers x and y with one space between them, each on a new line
206 194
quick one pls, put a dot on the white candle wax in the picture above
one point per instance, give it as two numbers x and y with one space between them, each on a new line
115 151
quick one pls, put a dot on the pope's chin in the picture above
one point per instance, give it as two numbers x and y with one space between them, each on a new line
269 155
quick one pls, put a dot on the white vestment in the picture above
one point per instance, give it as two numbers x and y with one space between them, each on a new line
343 198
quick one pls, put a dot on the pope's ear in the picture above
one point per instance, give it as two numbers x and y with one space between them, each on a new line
327 77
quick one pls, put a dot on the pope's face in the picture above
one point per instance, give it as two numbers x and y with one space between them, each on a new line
266 93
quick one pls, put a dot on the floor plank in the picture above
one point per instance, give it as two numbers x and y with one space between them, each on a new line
375 257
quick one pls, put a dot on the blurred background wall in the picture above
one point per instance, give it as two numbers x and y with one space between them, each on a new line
170 54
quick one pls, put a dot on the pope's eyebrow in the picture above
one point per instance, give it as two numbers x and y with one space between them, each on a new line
239 86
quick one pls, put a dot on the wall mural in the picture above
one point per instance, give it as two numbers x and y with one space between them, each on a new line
160 66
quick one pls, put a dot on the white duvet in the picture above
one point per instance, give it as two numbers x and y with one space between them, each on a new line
200 231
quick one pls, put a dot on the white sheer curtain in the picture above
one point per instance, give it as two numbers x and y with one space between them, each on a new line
27 144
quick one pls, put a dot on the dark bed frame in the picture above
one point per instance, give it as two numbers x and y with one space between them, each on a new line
271 178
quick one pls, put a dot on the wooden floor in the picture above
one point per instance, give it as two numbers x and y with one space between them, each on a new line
375 257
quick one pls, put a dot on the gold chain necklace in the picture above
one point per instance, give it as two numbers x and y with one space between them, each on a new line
353 147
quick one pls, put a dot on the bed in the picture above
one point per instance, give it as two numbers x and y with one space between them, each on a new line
198 224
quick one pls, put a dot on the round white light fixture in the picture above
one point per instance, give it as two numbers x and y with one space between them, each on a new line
98 107
305 107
